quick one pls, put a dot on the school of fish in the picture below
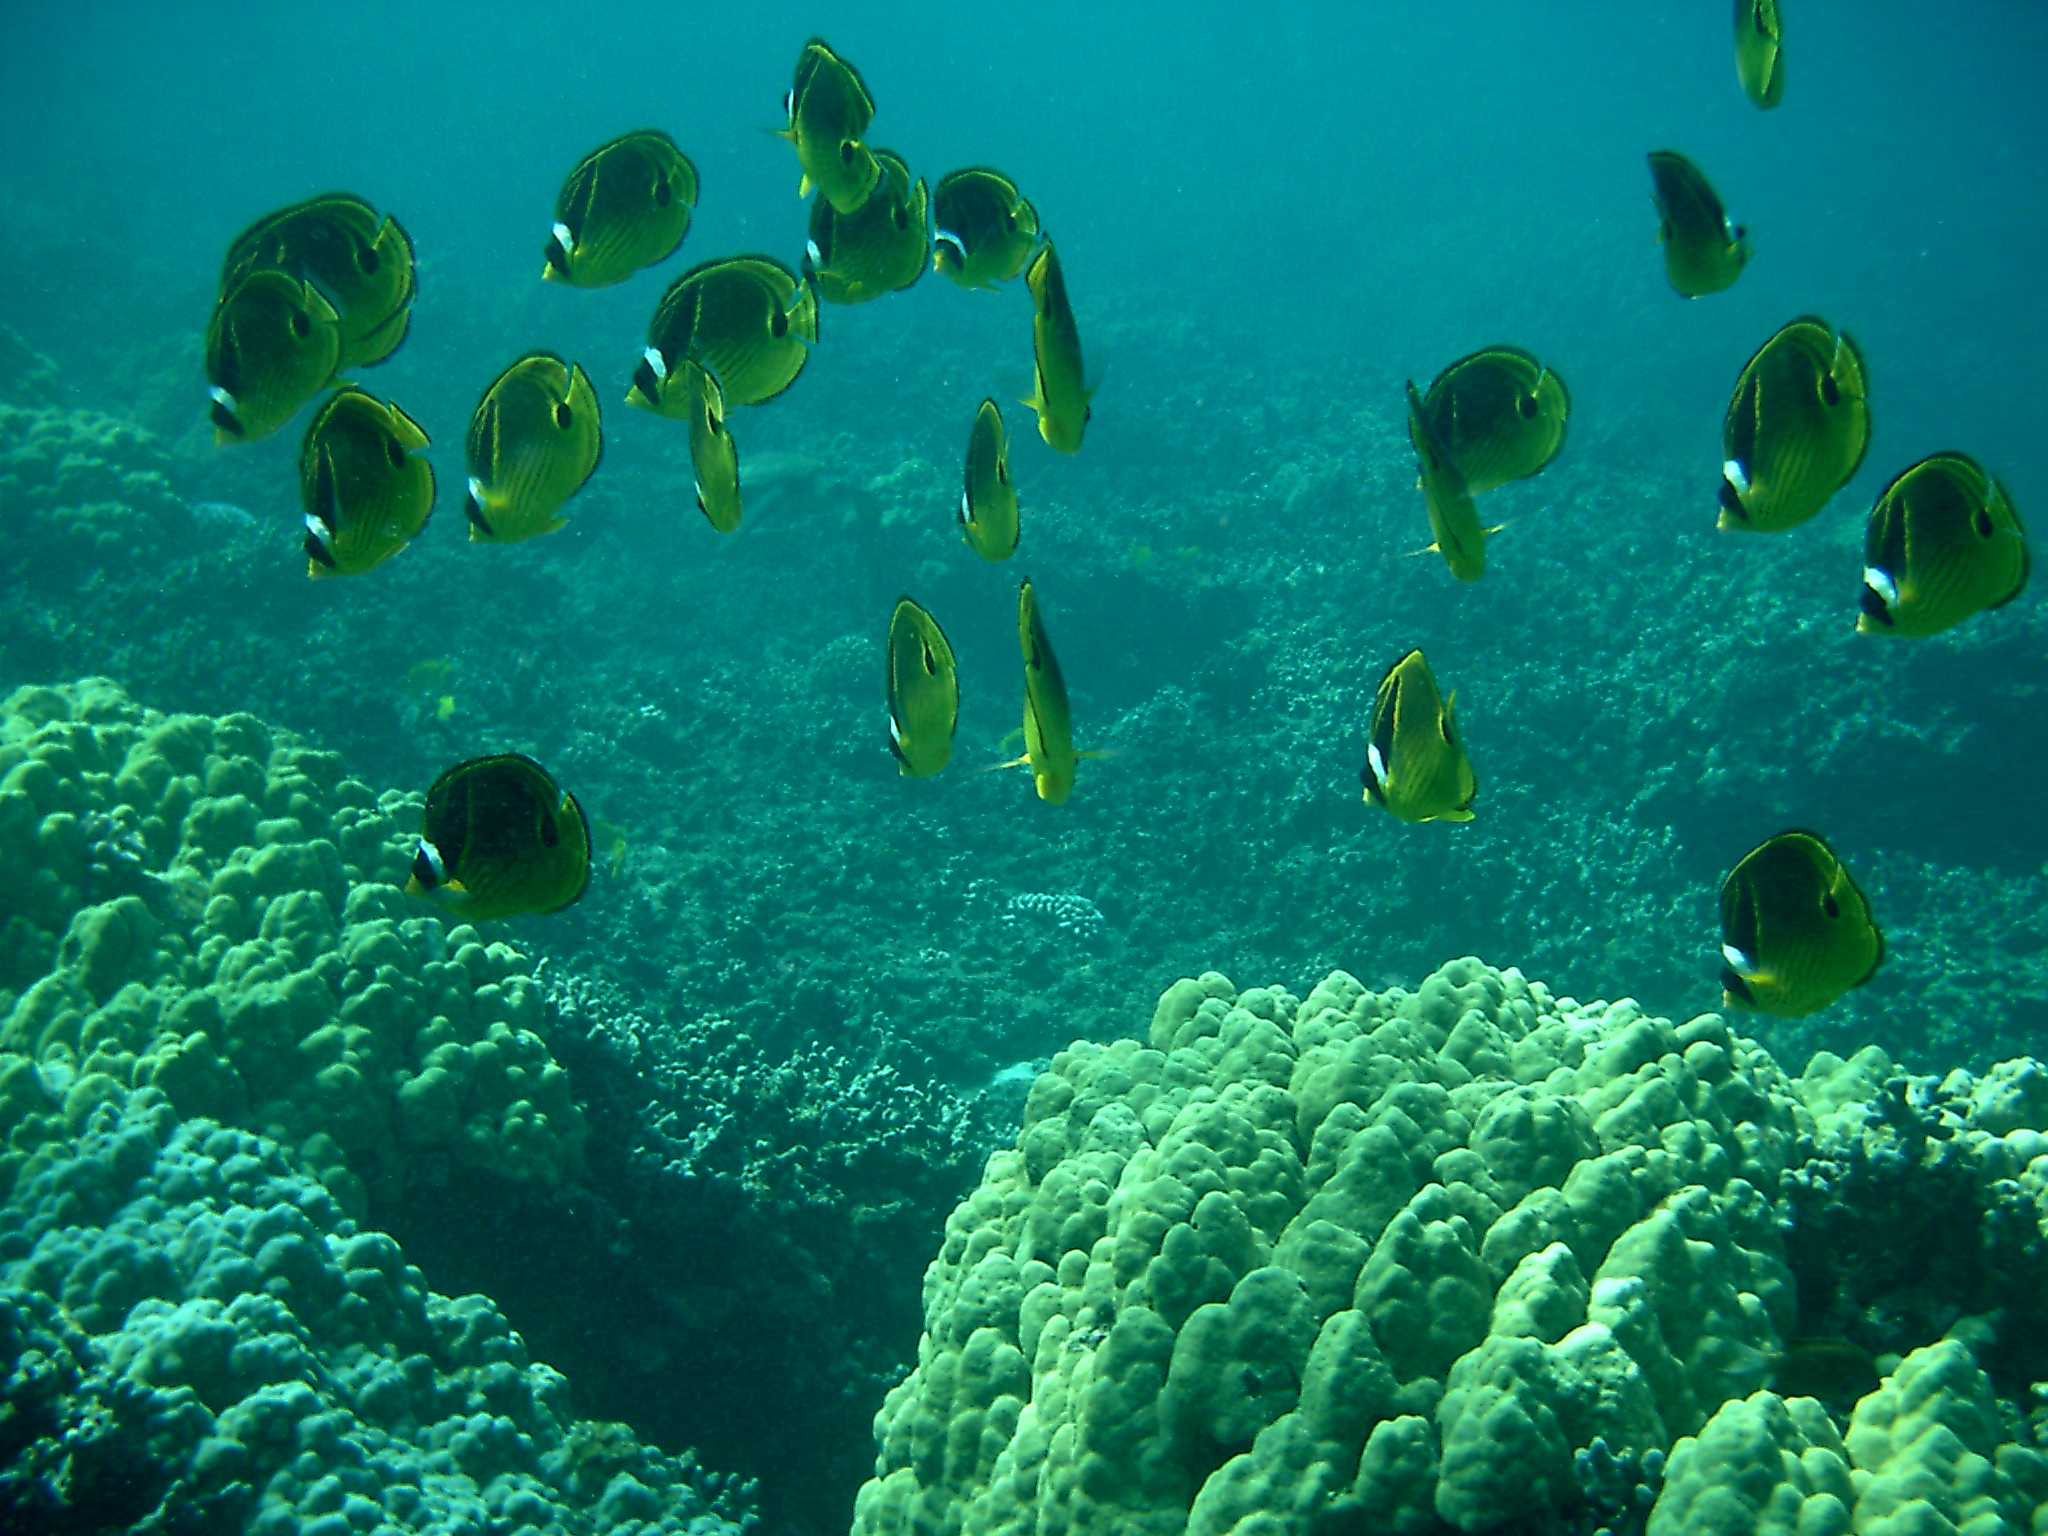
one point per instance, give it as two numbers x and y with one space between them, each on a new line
312 292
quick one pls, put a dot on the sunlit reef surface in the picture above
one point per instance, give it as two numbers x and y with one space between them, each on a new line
1225 569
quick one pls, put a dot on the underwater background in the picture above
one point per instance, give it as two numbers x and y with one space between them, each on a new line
1267 224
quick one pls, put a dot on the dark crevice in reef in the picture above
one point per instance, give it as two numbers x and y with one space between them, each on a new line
1906 1236
763 1340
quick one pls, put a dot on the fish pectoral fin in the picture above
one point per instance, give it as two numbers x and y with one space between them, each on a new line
1015 762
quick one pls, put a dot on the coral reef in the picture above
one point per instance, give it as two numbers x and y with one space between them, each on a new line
1470 1259
194 1337
86 494
1923 1207
1925 1452
1229 579
764 1219
209 907
808 1133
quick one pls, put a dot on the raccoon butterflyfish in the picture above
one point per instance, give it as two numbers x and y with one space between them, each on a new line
1944 541
1760 51
1796 933
361 263
829 110
1453 518
878 248
983 230
626 206
1059 393
500 838
1499 414
273 344
714 457
924 692
365 489
1048 726
1704 251
747 319
988 501
533 441
1796 429
1415 763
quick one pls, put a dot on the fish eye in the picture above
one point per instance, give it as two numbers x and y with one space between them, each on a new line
564 417
664 194
1830 391
1829 905
846 151
302 324
1527 406
370 262
779 326
1983 522
393 452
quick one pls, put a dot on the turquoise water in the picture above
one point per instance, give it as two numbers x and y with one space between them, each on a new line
1267 224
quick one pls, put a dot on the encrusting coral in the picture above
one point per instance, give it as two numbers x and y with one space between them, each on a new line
1455 1260
212 908
193 1337
84 491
